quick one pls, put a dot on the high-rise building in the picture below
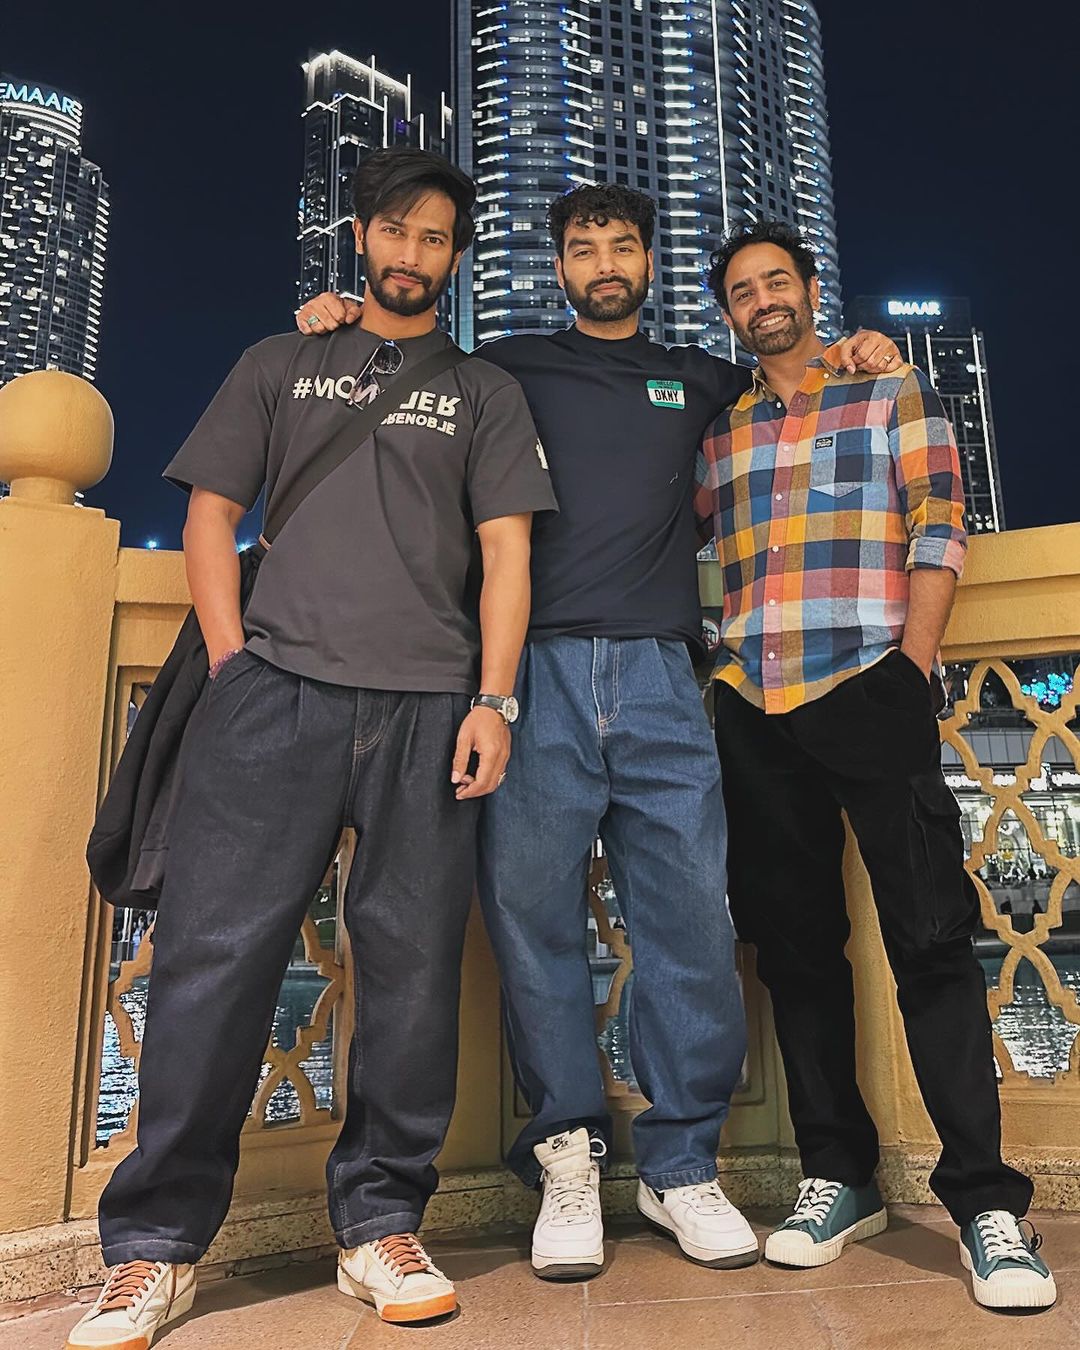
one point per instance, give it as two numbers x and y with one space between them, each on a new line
937 336
352 108
715 109
54 221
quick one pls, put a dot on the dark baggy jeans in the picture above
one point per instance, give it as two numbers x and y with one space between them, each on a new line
613 739
277 765
871 747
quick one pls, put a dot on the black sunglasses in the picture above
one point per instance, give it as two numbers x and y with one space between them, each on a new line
384 361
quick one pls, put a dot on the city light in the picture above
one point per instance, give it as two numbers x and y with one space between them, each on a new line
152 545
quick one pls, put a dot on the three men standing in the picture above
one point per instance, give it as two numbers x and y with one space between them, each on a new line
342 697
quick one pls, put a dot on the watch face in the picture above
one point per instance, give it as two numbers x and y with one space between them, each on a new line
511 709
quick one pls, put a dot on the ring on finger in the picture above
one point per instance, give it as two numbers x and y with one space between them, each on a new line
312 320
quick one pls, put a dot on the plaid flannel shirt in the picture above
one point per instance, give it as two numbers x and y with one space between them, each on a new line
820 510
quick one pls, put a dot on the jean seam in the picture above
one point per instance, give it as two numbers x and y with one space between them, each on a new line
361 746
692 1176
615 684
358 1230
192 1249
600 722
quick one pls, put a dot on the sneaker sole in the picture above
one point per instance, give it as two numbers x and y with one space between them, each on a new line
705 1256
178 1308
418 1310
584 1268
1038 1297
780 1250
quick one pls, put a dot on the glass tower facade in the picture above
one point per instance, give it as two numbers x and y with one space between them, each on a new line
54 224
715 109
937 336
352 108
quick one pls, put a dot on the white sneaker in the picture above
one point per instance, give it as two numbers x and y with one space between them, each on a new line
568 1236
398 1277
703 1221
136 1301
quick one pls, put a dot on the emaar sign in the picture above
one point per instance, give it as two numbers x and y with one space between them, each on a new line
922 309
34 96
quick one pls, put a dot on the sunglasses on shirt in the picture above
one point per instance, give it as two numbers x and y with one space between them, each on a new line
384 361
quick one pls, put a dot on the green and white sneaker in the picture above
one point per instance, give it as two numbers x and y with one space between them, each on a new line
827 1216
1005 1270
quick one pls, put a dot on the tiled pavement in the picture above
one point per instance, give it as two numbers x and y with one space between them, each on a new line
904 1290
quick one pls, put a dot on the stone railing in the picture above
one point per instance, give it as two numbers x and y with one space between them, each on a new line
87 624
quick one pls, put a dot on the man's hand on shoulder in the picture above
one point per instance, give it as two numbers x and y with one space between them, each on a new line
326 312
867 350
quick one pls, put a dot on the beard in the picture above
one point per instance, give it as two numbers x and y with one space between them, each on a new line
776 341
609 308
406 304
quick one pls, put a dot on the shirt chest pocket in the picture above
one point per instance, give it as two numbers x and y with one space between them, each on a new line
842 462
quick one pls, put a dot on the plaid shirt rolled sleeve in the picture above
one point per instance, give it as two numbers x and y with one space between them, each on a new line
820 510
928 480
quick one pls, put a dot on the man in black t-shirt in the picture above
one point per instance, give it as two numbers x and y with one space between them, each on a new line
613 740
340 697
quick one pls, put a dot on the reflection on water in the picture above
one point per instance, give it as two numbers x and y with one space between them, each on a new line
299 992
1037 1035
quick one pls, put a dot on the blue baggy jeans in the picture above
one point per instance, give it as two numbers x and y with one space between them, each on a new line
613 740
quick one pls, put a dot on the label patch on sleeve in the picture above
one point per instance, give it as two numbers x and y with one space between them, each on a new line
666 393
824 442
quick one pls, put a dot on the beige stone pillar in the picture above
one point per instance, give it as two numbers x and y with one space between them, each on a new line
57 586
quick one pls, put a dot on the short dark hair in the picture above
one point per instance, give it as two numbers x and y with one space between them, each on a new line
775 232
597 204
395 179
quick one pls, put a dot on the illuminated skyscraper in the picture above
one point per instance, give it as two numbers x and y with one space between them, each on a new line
937 335
54 221
716 109
352 108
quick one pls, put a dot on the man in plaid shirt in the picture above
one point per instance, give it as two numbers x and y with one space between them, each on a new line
837 508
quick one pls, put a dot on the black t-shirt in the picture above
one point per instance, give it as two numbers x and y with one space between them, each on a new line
620 423
369 584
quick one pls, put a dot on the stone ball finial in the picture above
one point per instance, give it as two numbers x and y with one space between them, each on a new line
56 436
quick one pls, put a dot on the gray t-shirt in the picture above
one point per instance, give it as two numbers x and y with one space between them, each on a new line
373 581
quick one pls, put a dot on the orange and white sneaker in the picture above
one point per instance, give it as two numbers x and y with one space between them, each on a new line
398 1277
136 1301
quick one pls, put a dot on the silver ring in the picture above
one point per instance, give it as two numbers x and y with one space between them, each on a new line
312 320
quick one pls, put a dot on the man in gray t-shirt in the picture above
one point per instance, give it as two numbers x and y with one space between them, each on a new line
340 697
369 584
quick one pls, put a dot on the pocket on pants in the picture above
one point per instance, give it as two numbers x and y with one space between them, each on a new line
947 902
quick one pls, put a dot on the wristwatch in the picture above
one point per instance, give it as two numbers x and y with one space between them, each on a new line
506 707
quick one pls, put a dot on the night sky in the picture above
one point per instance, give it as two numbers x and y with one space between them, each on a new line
949 156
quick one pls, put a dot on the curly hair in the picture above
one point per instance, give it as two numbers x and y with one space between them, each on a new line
597 204
775 232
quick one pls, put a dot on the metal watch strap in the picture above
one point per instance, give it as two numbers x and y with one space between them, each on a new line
496 702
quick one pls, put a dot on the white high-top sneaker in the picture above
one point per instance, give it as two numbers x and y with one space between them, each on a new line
398 1277
703 1221
136 1301
568 1237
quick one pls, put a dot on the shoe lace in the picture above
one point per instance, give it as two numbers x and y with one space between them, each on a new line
574 1196
706 1197
404 1255
128 1283
816 1198
1003 1237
